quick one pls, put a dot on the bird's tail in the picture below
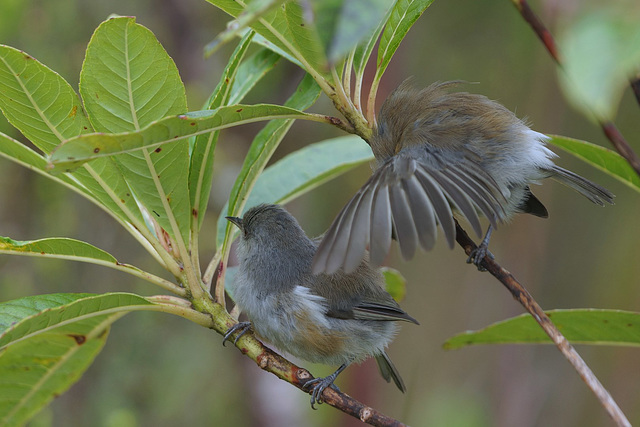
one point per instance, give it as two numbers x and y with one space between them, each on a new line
389 371
588 189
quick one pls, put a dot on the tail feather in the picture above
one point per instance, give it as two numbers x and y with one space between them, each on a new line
389 371
592 191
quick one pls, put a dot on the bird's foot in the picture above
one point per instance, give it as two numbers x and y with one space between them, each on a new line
477 256
317 386
243 327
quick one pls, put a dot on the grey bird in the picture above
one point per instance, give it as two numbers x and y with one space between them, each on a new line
334 319
435 150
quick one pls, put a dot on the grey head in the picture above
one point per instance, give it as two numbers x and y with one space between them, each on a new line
272 246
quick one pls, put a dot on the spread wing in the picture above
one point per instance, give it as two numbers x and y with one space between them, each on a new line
410 197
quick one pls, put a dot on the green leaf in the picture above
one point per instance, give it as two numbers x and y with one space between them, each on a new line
74 152
251 71
302 171
355 21
38 101
44 107
255 10
579 326
127 82
21 154
363 50
602 158
403 15
48 341
601 51
63 248
395 283
202 155
270 31
286 29
304 35
260 40
261 150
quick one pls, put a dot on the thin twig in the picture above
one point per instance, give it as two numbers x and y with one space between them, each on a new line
524 297
609 129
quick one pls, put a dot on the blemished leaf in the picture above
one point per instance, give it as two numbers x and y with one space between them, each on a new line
356 22
304 34
579 326
127 82
262 148
74 152
63 248
403 15
601 51
46 344
302 171
395 283
44 107
602 158
203 151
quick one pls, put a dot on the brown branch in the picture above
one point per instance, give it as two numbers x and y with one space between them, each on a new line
270 361
524 297
609 129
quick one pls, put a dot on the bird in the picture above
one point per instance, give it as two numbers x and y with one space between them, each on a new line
436 149
333 319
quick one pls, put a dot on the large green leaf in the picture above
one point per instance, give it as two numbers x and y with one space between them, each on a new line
600 51
580 326
44 107
602 158
302 171
262 148
47 343
74 152
38 101
403 15
202 154
127 82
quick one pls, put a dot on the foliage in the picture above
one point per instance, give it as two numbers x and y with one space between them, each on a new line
128 144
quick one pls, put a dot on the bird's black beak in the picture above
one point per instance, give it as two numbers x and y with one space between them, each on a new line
235 221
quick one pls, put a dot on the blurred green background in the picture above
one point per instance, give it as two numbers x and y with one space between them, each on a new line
163 371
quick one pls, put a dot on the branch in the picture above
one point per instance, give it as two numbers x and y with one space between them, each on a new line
609 129
272 362
524 297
